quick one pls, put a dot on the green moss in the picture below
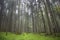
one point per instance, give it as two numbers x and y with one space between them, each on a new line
26 36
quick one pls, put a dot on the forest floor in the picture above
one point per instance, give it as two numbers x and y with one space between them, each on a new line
27 36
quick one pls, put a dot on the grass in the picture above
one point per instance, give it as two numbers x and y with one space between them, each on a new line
26 36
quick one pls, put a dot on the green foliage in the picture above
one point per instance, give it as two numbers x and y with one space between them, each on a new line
57 9
27 36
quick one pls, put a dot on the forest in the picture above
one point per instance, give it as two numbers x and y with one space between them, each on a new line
29 19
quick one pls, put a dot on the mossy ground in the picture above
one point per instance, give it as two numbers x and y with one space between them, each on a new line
27 36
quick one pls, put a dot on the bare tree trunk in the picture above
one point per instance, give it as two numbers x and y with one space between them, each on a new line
1 12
